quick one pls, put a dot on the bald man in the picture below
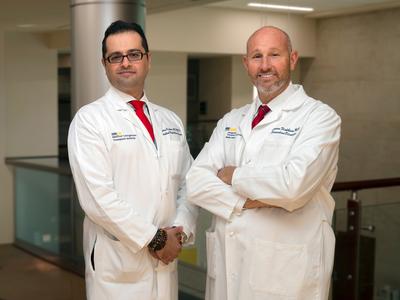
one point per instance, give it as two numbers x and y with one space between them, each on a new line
266 176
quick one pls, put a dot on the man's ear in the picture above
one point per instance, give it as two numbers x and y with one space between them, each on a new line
294 57
149 58
245 62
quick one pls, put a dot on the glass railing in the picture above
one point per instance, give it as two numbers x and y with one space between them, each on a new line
367 229
48 222
48 218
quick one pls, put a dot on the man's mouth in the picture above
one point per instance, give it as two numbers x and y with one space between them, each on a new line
266 75
126 73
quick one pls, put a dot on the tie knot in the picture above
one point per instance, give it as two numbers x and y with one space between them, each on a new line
263 110
137 104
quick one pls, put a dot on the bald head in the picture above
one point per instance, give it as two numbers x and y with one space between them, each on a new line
271 30
269 61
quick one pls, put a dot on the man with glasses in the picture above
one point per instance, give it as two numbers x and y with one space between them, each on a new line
129 158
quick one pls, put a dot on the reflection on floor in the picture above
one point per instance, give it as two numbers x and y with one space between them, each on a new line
23 277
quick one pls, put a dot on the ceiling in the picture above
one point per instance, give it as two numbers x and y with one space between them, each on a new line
322 8
45 15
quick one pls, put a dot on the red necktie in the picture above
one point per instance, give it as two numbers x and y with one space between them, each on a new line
138 106
262 111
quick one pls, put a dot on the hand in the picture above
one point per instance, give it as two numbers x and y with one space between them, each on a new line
250 204
226 173
172 246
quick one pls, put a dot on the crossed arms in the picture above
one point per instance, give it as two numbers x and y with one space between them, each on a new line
226 174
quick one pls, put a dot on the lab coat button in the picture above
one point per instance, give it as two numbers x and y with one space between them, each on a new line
231 233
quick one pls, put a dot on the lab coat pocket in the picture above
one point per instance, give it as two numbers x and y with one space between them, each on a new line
167 278
278 268
211 253
119 264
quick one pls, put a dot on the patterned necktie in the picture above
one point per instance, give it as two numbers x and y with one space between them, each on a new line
262 111
138 106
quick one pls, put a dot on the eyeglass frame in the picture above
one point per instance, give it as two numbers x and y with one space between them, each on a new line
127 56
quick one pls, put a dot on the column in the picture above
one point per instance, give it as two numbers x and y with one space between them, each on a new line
90 18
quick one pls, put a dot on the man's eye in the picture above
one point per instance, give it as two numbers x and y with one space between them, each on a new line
134 55
115 57
257 56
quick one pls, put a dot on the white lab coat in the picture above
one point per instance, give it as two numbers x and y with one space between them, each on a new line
288 160
128 188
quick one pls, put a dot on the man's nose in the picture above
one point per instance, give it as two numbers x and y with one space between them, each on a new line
125 62
265 63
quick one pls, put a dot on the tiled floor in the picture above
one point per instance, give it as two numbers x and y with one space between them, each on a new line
25 277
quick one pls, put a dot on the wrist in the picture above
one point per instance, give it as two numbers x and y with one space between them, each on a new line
159 240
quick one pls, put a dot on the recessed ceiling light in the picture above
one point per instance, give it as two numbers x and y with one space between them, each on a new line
284 7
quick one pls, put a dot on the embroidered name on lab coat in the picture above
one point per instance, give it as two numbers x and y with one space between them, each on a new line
285 131
231 133
167 131
120 136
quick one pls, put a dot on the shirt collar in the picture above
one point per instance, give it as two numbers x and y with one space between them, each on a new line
278 101
122 97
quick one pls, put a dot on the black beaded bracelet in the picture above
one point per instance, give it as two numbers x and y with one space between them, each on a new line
159 240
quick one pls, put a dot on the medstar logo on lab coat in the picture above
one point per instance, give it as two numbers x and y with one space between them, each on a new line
231 132
120 136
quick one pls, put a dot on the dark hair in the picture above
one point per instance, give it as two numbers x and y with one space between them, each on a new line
122 26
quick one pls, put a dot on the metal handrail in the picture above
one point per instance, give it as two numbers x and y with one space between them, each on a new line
365 184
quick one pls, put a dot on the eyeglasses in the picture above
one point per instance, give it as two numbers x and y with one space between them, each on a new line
117 58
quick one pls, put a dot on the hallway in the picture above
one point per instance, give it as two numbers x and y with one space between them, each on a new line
24 277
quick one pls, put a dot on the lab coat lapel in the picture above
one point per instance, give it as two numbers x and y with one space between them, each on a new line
269 118
120 103
245 123
295 100
156 122
129 115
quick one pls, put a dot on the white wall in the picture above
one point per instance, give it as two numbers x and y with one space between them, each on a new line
218 30
166 82
242 88
28 111
357 72
212 30
31 96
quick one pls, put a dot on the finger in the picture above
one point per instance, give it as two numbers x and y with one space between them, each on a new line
178 235
177 229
